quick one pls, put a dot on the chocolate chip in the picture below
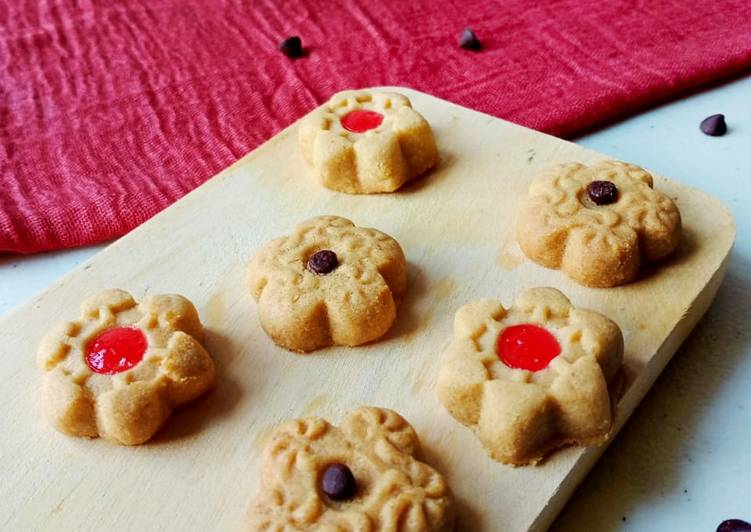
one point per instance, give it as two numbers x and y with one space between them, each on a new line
291 47
323 262
714 126
602 192
469 41
338 482
734 525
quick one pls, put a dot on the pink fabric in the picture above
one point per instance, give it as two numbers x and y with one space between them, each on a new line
110 111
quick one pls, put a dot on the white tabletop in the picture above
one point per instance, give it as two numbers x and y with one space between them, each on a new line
683 461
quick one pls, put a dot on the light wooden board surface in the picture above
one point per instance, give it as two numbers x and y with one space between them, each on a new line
456 226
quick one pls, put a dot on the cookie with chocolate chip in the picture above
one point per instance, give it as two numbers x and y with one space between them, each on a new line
363 475
328 283
597 223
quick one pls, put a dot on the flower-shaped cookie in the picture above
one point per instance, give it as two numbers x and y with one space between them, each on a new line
360 477
122 367
329 282
597 223
363 142
533 377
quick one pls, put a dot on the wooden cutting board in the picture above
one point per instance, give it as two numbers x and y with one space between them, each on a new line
456 226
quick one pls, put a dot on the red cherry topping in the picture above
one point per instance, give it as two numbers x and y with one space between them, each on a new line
527 347
116 350
360 121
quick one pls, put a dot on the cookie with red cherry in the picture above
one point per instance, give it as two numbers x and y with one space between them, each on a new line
533 377
120 369
364 142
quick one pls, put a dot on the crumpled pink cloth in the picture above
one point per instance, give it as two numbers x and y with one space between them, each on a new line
112 110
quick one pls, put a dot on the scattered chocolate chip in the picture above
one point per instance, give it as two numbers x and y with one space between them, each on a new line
323 262
469 41
291 47
714 126
338 482
734 525
602 192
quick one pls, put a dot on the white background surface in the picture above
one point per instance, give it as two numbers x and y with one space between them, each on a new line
683 462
